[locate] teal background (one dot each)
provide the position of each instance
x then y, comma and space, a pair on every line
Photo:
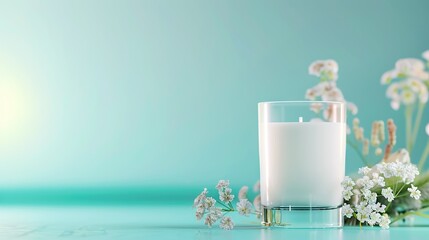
163, 94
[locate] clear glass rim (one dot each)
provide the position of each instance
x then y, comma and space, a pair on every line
289, 102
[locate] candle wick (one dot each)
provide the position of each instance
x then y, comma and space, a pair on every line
300, 119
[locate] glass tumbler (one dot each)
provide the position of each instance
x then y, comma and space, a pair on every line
302, 147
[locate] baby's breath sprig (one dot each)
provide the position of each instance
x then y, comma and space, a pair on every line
367, 196
206, 206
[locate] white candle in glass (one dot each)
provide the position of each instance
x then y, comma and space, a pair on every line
302, 163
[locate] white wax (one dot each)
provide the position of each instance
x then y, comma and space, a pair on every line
302, 163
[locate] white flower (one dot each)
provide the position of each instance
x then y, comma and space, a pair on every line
414, 192
380, 208
378, 180
209, 202
209, 221
222, 184
389, 76
347, 210
394, 104
347, 182
347, 185
242, 194
311, 94
425, 55
408, 96
362, 216
334, 94
326, 69
427, 129
365, 182
388, 194
226, 223
409, 67
200, 211
213, 215
364, 170
200, 198
244, 207
347, 194
315, 68
384, 221
226, 195
419, 88
374, 218
371, 197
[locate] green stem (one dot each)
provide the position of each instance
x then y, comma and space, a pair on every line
417, 213
357, 150
396, 195
221, 203
424, 156
417, 124
408, 118
230, 205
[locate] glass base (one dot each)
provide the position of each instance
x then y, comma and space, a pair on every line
302, 217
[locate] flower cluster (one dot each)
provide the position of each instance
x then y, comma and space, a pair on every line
412, 82
326, 89
365, 197
206, 206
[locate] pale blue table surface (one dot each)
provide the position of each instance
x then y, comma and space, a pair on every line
164, 222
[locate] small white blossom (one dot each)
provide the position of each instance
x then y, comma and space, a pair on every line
408, 97
244, 207
378, 180
394, 104
372, 199
226, 195
326, 69
213, 215
365, 182
226, 223
347, 210
414, 192
389, 76
209, 221
374, 218
388, 194
347, 182
362, 216
378, 207
242, 194
364, 170
222, 184
201, 197
384, 221
347, 194
409, 67
209, 202
200, 211
425, 55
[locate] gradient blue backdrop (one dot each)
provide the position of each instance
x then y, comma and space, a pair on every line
165, 93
